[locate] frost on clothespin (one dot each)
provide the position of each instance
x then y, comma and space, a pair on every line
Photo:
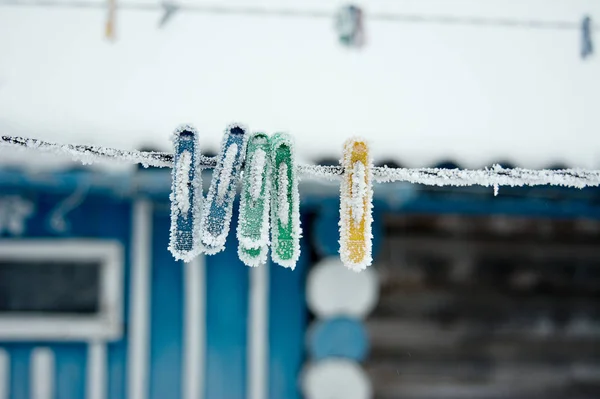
216, 215
186, 195
587, 45
285, 202
253, 222
349, 26
356, 204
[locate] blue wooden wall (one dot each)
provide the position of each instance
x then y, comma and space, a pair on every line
100, 217
227, 289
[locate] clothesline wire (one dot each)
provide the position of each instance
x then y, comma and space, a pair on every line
306, 13
491, 177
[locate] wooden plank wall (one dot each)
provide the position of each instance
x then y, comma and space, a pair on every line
487, 307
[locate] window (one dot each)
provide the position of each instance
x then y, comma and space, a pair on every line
60, 290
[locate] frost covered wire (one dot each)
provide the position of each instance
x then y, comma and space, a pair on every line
306, 13
489, 177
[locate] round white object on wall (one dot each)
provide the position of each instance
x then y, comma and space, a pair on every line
336, 378
334, 290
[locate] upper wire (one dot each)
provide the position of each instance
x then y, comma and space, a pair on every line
307, 13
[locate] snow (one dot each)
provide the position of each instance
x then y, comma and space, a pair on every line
359, 191
253, 261
421, 93
256, 173
226, 173
182, 180
88, 154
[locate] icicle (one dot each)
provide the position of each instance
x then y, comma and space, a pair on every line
253, 223
356, 203
285, 203
216, 216
186, 195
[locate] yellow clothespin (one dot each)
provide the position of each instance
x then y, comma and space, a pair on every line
110, 21
356, 204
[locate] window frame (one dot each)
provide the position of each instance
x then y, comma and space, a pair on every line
106, 324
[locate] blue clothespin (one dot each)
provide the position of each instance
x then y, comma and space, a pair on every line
349, 26
587, 46
186, 195
217, 211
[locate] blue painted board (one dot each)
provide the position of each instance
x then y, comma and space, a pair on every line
288, 316
226, 323
166, 313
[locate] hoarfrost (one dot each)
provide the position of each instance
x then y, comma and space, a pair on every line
256, 173
217, 212
285, 237
182, 186
359, 191
227, 172
253, 222
283, 208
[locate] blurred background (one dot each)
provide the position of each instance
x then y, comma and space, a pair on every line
470, 295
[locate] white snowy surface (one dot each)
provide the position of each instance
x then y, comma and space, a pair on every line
336, 378
226, 173
182, 179
355, 294
420, 93
256, 173
359, 192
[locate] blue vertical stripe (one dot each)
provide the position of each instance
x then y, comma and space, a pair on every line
117, 370
166, 313
19, 369
287, 325
70, 369
226, 323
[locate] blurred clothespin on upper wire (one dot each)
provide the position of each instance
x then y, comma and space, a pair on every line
587, 45
111, 20
169, 9
350, 26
